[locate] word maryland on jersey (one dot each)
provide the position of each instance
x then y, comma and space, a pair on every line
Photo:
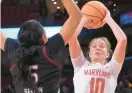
96, 72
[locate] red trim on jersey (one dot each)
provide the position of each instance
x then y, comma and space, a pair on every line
12, 67
45, 54
49, 59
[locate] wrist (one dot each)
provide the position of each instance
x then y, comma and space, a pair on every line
109, 19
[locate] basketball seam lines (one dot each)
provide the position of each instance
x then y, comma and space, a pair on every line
98, 21
93, 16
95, 8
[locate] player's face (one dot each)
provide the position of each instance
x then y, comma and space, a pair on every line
98, 51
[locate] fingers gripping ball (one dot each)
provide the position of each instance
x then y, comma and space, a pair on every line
96, 12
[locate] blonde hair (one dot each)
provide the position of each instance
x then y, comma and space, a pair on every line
106, 42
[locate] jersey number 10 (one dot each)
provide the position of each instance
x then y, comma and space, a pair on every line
97, 84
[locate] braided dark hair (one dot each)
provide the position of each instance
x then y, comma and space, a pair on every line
29, 37
23, 72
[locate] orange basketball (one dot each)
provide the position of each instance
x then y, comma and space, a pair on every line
96, 12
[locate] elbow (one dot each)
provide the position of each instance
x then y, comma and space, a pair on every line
123, 40
78, 19
75, 20
76, 16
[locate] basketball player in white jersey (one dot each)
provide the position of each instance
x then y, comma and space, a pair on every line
97, 75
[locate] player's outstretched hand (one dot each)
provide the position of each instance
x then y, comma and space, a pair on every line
106, 17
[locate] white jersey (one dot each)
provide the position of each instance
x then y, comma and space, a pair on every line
95, 78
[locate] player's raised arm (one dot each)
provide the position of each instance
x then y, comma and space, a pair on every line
3, 39
76, 53
72, 22
74, 46
120, 50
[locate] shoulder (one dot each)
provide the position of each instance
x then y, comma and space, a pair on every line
55, 44
11, 44
11, 41
114, 62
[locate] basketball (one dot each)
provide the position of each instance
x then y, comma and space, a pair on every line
96, 12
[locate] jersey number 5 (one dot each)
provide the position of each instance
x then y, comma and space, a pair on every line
34, 67
96, 85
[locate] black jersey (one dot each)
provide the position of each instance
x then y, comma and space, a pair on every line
45, 66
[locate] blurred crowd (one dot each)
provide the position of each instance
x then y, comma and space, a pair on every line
32, 9
125, 83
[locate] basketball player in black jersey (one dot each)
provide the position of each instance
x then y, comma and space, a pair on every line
32, 59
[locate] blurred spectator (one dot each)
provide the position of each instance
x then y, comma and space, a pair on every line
59, 17
125, 83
